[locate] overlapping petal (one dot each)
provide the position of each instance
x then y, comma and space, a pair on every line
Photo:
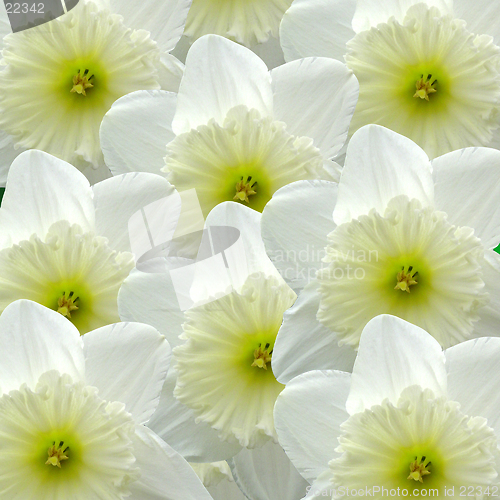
220, 75
375, 154
35, 340
393, 355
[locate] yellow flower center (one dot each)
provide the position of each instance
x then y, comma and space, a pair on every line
57, 454
244, 189
425, 87
66, 304
262, 356
406, 279
81, 82
418, 469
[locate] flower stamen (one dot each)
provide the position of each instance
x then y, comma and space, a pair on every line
425, 87
66, 304
406, 279
244, 189
81, 82
57, 454
262, 356
418, 469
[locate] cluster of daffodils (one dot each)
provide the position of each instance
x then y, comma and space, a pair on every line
250, 250
410, 418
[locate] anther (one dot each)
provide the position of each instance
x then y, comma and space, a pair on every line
406, 279
418, 469
67, 304
56, 455
262, 356
244, 189
81, 82
425, 87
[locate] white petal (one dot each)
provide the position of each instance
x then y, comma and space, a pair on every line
467, 188
135, 131
473, 373
34, 340
295, 225
150, 298
8, 155
128, 362
372, 12
42, 190
394, 354
117, 199
317, 28
481, 16
165, 20
381, 164
266, 473
488, 324
165, 475
316, 98
308, 415
304, 344
248, 254
176, 424
219, 75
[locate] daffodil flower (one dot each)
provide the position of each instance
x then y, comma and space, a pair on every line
248, 23
253, 24
218, 399
427, 70
408, 237
409, 417
235, 131
66, 245
60, 78
72, 412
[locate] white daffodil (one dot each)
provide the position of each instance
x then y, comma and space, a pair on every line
66, 245
428, 70
254, 24
218, 399
236, 131
248, 23
60, 78
409, 420
72, 412
408, 237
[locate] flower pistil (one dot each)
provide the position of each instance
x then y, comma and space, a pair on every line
425, 87
262, 356
57, 454
419, 469
81, 82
